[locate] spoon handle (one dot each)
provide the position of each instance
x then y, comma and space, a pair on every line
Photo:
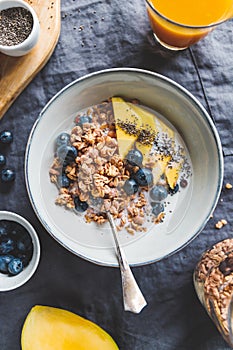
133, 298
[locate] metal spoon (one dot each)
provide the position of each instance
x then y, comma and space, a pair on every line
133, 298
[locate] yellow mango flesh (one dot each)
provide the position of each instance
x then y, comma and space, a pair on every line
48, 328
125, 114
159, 169
172, 173
151, 123
144, 119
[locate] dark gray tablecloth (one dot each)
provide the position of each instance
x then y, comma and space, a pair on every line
117, 34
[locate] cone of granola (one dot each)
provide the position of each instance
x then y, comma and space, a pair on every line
213, 281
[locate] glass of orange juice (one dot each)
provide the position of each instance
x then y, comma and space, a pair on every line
178, 24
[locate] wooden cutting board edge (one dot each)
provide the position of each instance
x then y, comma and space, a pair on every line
8, 96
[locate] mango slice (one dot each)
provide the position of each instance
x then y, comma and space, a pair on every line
160, 167
151, 124
140, 119
49, 328
172, 173
124, 114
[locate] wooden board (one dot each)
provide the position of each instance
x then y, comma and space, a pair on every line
17, 72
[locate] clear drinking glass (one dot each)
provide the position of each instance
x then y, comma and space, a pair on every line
175, 35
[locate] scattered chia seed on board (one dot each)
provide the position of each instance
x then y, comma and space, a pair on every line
15, 25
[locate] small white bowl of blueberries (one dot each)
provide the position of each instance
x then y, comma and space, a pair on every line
19, 251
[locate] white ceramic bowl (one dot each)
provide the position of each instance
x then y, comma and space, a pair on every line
12, 282
182, 110
28, 44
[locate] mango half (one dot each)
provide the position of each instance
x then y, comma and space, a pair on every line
49, 328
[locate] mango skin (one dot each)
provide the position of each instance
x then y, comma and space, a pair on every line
49, 328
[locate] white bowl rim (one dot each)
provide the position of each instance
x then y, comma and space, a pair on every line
181, 89
12, 216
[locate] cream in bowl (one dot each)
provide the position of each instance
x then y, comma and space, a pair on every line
120, 157
19, 250
19, 27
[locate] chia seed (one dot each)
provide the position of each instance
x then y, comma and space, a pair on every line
128, 127
15, 25
162, 144
146, 137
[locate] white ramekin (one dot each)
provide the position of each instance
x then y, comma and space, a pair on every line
28, 44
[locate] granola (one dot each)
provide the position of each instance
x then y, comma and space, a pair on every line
94, 177
213, 280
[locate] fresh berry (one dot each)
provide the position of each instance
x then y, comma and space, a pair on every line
16, 230
134, 157
4, 261
3, 231
157, 208
7, 245
25, 257
83, 120
173, 190
144, 177
63, 181
16, 244
6, 136
2, 159
24, 244
130, 186
67, 154
15, 266
7, 175
80, 205
158, 193
62, 139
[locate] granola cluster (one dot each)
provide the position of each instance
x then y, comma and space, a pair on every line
214, 280
98, 174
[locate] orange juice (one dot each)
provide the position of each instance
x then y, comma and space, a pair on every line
175, 22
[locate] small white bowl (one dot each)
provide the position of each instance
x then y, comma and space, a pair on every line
12, 282
28, 44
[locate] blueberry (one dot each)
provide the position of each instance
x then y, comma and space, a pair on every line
7, 245
25, 257
83, 120
62, 139
63, 181
144, 177
80, 205
158, 193
16, 230
3, 231
24, 244
67, 154
2, 159
4, 261
130, 186
6, 136
7, 175
173, 190
157, 208
134, 157
15, 266
6, 223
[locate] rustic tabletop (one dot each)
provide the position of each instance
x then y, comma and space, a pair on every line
97, 35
